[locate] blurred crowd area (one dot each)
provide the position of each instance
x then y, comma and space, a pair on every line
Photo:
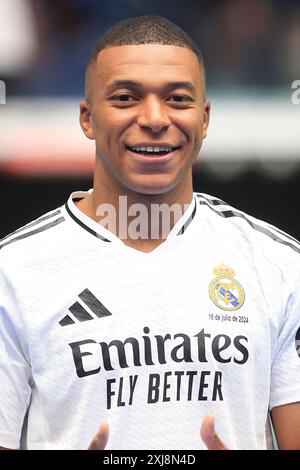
44, 44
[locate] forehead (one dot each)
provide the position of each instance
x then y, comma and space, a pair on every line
148, 62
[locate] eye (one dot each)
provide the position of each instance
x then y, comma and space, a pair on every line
124, 98
180, 98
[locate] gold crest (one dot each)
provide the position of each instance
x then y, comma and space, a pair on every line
225, 291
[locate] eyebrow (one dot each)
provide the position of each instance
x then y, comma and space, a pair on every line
136, 85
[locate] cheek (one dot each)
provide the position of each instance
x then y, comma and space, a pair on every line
109, 126
191, 125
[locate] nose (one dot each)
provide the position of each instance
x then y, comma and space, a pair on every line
153, 115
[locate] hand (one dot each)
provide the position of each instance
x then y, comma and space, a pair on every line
209, 435
100, 440
207, 432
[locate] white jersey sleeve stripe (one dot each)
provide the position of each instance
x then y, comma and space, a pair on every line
49, 215
284, 234
33, 232
233, 213
219, 202
213, 201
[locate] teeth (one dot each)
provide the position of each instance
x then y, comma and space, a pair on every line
152, 149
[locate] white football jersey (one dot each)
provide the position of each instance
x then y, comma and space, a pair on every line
93, 330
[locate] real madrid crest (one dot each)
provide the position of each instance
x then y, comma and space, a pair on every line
225, 291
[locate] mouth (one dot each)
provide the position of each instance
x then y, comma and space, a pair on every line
152, 150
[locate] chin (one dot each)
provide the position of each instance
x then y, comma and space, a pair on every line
154, 187
153, 191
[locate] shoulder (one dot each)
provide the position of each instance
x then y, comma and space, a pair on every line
249, 232
25, 242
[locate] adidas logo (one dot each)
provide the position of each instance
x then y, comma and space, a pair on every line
81, 314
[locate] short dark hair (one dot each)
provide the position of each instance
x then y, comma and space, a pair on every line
148, 29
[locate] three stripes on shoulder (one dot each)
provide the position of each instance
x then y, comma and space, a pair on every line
39, 225
222, 209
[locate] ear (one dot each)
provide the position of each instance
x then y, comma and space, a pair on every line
85, 119
206, 117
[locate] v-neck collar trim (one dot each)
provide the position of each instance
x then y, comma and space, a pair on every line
105, 235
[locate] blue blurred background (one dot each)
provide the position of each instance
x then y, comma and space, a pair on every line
251, 50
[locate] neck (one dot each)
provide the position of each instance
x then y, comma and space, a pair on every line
142, 221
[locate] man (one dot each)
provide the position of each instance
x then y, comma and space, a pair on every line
111, 315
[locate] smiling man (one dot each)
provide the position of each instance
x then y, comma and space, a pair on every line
140, 304
147, 111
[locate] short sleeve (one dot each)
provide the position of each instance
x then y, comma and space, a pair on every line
15, 370
285, 373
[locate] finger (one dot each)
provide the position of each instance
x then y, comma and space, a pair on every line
100, 440
209, 435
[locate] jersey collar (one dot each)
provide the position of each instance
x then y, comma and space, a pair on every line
104, 234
